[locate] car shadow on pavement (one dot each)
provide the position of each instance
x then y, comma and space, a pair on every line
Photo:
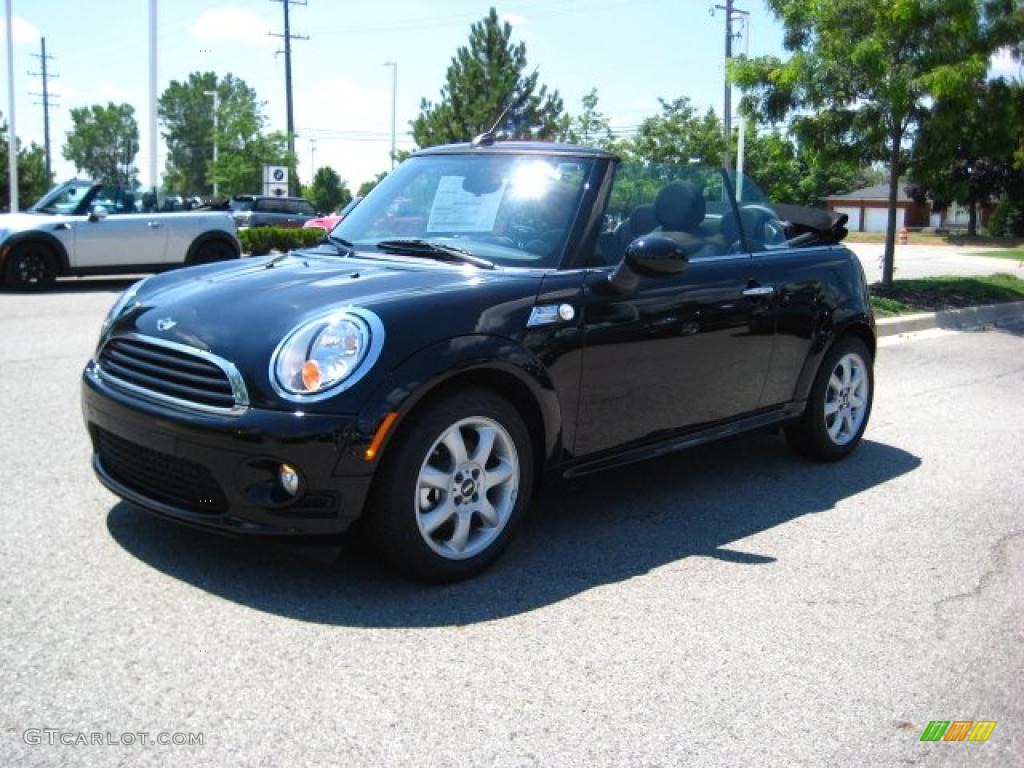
81, 285
584, 533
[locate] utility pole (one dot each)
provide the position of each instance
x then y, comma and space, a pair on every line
288, 37
12, 135
727, 101
45, 96
312, 160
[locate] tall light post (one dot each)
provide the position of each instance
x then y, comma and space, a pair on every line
394, 104
312, 160
12, 136
216, 123
741, 145
153, 180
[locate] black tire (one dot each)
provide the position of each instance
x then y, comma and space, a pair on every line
390, 523
30, 266
211, 251
810, 436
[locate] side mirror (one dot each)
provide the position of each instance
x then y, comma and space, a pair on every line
649, 255
98, 213
657, 255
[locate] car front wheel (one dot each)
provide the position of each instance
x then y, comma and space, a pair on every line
839, 404
212, 251
451, 492
30, 266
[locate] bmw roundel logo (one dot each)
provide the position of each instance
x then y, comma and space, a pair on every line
278, 174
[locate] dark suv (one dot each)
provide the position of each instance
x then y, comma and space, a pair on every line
269, 211
489, 315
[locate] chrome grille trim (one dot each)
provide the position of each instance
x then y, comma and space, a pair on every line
239, 393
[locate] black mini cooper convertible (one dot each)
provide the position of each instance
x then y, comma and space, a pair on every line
490, 314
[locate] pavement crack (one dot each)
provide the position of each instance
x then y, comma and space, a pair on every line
998, 558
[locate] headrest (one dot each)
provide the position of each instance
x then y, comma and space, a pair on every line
680, 207
642, 220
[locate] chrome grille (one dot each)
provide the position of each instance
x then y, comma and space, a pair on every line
173, 373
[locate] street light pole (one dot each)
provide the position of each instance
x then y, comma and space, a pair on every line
12, 136
216, 104
312, 160
153, 180
394, 105
741, 145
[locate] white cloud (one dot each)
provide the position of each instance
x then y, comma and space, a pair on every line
232, 25
1003, 65
24, 31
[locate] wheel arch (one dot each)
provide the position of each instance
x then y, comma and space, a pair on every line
860, 326
19, 238
517, 376
210, 236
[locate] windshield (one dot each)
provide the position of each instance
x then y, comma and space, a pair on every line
62, 198
513, 210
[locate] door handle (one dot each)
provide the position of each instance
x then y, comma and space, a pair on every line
760, 290
153, 224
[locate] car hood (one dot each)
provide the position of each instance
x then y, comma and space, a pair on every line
22, 222
241, 311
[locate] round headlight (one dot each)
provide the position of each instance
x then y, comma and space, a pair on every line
323, 354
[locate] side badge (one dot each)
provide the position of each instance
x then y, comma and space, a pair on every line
165, 323
549, 314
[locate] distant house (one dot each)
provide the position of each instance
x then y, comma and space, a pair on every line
868, 210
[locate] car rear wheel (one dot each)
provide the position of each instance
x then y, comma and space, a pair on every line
30, 266
451, 492
211, 251
839, 405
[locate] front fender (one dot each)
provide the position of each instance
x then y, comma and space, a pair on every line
474, 360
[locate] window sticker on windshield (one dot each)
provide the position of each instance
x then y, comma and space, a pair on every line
456, 210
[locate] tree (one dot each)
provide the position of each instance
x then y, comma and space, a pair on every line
589, 128
867, 69
485, 79
678, 136
103, 142
965, 150
328, 192
366, 186
186, 114
33, 181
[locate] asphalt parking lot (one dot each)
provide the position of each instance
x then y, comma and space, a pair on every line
729, 606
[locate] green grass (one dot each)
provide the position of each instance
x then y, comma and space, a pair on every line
1017, 254
930, 294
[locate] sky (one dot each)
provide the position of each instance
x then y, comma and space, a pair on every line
633, 51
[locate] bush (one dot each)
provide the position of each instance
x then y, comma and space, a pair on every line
259, 240
1007, 220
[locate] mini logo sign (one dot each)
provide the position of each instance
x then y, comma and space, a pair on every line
165, 323
958, 730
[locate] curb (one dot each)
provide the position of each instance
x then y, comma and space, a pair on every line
956, 319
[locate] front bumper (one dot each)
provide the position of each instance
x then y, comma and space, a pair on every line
220, 472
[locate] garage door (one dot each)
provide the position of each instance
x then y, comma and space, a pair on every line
854, 213
875, 219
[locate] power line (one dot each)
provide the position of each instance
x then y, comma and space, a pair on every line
45, 96
288, 37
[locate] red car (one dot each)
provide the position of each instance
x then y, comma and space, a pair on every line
331, 220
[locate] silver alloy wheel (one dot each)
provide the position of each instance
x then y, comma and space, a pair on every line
846, 398
467, 488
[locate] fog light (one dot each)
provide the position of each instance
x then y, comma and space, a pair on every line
288, 476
